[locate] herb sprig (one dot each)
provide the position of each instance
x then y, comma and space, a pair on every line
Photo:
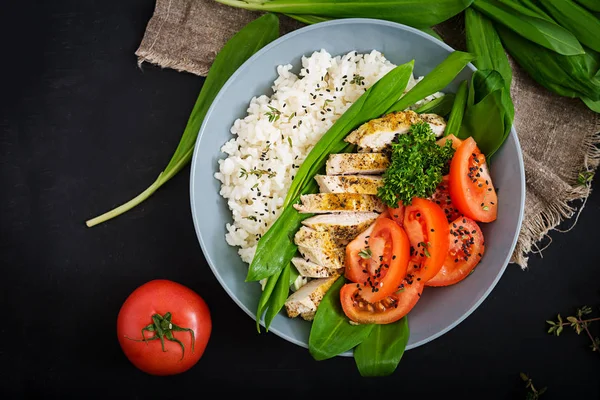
244, 173
579, 325
532, 392
274, 114
417, 166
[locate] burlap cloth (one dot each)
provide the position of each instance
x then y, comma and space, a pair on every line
558, 135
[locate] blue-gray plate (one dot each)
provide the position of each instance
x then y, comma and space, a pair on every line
439, 309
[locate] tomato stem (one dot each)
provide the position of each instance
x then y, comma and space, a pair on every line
163, 328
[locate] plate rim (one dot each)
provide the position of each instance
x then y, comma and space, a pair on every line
278, 42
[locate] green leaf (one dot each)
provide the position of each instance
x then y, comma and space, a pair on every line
436, 80
524, 376
489, 113
279, 296
276, 247
545, 33
380, 353
234, 53
419, 14
577, 20
483, 41
559, 330
265, 296
564, 75
440, 106
294, 274
551, 322
308, 19
432, 32
592, 5
331, 333
572, 319
458, 110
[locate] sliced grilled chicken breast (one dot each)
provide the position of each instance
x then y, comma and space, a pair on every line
437, 123
304, 301
309, 269
356, 163
342, 226
319, 248
361, 184
377, 134
339, 202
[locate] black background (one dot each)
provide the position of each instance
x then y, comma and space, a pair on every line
84, 129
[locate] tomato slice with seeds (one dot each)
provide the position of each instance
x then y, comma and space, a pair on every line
390, 309
378, 259
427, 230
466, 250
441, 197
471, 188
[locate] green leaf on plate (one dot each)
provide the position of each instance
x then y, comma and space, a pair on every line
436, 80
380, 352
265, 296
458, 110
440, 106
331, 333
483, 41
279, 295
488, 114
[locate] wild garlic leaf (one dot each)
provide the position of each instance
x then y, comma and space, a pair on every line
331, 333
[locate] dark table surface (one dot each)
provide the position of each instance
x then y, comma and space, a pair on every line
83, 129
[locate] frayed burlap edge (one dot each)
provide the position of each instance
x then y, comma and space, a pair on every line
561, 208
166, 62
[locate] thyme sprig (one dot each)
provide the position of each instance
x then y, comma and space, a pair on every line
532, 392
578, 324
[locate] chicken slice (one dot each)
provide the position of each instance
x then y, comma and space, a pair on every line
357, 163
436, 122
320, 248
339, 202
309, 269
377, 134
305, 301
343, 226
361, 184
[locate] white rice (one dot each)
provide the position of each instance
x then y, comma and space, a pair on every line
263, 156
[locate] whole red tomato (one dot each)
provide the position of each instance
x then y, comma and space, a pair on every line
163, 327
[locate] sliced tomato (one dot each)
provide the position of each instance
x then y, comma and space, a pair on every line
386, 311
355, 265
441, 197
456, 142
466, 250
427, 230
471, 188
378, 259
397, 214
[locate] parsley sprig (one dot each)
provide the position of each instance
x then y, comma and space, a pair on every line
417, 166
